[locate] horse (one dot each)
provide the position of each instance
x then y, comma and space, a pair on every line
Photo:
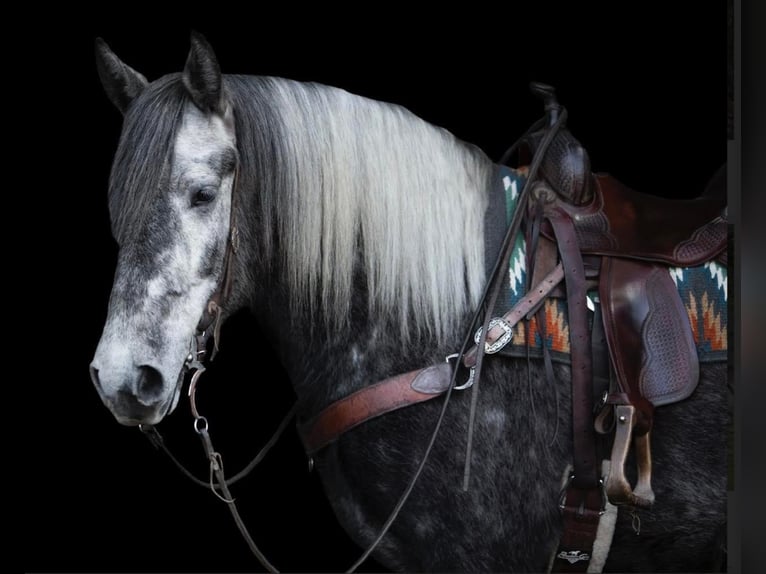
362, 249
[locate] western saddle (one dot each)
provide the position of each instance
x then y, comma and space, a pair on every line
626, 241
595, 235
640, 352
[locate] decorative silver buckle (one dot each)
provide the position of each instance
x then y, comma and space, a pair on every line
501, 341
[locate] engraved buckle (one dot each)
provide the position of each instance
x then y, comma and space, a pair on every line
501, 341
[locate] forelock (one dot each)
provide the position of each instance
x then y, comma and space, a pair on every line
144, 152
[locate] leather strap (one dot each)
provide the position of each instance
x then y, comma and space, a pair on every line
582, 500
580, 529
409, 388
211, 314
524, 307
586, 464
216, 470
371, 402
158, 442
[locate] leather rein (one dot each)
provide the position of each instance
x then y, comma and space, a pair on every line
485, 335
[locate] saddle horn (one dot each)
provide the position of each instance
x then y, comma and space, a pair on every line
566, 165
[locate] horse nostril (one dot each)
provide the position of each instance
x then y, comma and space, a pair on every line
94, 377
149, 388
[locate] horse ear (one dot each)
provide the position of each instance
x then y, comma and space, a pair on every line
121, 82
202, 75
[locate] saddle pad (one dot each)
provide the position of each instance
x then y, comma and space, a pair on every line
703, 292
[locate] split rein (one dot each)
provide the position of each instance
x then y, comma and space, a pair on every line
210, 324
217, 479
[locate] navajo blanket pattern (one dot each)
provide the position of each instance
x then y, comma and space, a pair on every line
703, 291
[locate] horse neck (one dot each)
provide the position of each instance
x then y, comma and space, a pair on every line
403, 222
325, 363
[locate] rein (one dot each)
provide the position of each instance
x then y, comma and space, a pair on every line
470, 355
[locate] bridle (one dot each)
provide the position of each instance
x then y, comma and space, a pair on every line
209, 328
210, 323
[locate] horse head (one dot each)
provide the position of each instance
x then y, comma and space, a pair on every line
170, 193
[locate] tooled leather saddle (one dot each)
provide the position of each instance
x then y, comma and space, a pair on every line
627, 241
602, 237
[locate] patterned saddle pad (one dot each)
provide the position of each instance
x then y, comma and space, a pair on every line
703, 292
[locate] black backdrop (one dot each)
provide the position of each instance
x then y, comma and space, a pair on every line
646, 91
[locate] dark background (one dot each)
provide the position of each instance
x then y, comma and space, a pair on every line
646, 91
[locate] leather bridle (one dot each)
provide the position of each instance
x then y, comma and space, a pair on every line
208, 328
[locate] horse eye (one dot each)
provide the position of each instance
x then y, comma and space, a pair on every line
202, 196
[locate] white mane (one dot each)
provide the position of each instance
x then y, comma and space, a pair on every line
368, 183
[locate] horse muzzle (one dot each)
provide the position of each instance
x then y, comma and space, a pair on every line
139, 396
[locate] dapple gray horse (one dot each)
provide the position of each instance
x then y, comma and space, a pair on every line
361, 252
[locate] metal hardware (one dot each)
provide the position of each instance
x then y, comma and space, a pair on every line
501, 341
469, 383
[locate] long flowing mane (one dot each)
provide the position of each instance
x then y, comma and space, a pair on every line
343, 185
355, 185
